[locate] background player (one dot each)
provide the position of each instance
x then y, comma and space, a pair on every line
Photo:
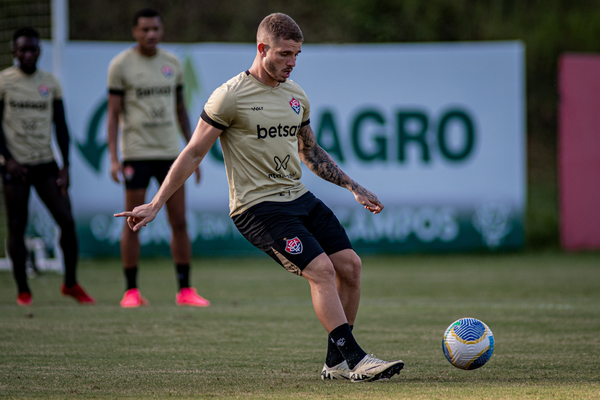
31, 100
263, 121
146, 91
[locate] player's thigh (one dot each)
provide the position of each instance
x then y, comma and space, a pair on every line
137, 174
16, 200
44, 178
327, 229
272, 228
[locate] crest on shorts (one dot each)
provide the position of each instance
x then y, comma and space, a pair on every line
128, 172
295, 104
44, 90
293, 246
167, 71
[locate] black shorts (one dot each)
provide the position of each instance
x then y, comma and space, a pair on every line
35, 173
137, 173
293, 233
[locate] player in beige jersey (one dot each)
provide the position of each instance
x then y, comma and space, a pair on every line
146, 95
263, 120
30, 102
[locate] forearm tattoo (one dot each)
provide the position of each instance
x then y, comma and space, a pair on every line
321, 163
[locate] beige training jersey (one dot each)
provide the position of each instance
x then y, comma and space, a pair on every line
28, 113
259, 141
149, 125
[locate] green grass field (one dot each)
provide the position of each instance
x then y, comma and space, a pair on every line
261, 339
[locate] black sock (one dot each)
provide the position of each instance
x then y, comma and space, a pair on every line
334, 357
131, 277
183, 275
344, 340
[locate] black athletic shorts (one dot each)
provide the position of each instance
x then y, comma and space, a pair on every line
293, 233
35, 173
137, 173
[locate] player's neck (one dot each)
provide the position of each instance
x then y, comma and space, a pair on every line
28, 70
146, 52
259, 73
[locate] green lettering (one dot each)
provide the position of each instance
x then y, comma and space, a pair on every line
469, 132
380, 140
328, 138
417, 137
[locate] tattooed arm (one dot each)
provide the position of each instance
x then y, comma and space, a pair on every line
321, 163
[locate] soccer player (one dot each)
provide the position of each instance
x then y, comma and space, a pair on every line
30, 102
263, 121
145, 86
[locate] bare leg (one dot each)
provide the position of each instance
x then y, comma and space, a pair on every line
326, 301
130, 243
347, 266
181, 249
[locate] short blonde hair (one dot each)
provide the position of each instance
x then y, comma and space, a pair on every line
277, 27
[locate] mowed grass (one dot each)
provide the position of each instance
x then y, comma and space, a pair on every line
261, 339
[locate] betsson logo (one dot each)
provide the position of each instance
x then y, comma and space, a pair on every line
276, 131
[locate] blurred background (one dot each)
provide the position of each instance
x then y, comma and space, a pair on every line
546, 28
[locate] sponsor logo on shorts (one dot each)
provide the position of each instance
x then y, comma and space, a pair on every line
295, 104
293, 246
44, 90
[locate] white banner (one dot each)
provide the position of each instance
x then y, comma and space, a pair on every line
437, 131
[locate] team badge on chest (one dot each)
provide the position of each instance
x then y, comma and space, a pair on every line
167, 71
44, 90
293, 246
295, 104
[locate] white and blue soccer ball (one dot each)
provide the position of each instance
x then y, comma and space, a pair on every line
468, 343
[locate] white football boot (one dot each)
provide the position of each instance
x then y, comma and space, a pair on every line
340, 371
372, 369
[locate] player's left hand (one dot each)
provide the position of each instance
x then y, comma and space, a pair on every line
63, 180
368, 200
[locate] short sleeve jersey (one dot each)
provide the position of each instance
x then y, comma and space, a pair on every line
149, 121
28, 113
259, 140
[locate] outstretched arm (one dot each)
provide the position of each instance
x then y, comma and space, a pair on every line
202, 140
321, 163
184, 122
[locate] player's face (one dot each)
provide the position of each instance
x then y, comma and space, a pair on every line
148, 33
280, 59
27, 51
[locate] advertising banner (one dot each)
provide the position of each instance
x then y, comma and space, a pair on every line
437, 131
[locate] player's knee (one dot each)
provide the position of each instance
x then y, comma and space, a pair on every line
178, 224
320, 270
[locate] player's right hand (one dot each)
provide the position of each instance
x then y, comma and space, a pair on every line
116, 171
140, 216
16, 170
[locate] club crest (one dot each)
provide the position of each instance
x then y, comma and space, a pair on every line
128, 172
167, 71
44, 90
295, 104
293, 246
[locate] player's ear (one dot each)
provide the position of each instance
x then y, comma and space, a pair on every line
262, 49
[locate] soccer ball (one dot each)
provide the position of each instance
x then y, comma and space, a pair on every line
468, 343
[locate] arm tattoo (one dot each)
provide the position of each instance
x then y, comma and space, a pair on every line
321, 163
